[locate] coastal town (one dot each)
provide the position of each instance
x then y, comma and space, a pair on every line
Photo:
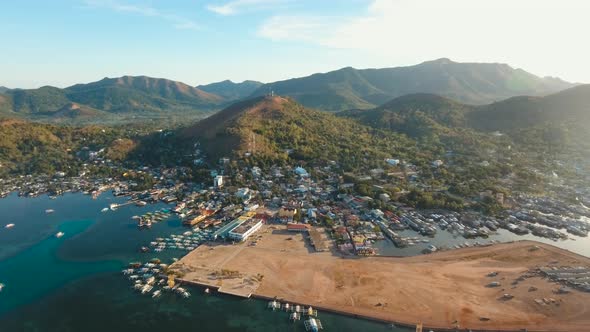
249, 208
304, 199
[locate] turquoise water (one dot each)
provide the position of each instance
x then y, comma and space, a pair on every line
73, 283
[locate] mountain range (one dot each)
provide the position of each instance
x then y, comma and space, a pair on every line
230, 90
563, 116
141, 97
471, 83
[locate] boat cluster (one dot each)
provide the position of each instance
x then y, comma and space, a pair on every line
150, 218
188, 241
148, 279
312, 323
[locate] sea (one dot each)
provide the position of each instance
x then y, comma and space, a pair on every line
74, 283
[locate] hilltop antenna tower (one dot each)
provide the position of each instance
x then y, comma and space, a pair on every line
252, 143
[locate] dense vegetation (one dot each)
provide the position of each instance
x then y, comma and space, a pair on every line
29, 148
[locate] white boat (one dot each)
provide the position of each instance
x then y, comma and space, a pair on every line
146, 289
114, 206
1, 287
186, 294
9, 226
104, 210
49, 211
156, 293
59, 234
207, 291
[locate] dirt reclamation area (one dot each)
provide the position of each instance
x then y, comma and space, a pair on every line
446, 289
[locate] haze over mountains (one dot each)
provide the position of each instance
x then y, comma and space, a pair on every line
141, 97
230, 90
471, 83
562, 118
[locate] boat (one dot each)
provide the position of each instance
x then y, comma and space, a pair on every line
114, 206
59, 234
140, 203
1, 287
313, 324
146, 289
186, 294
156, 293
9, 226
207, 291
104, 210
49, 211
294, 316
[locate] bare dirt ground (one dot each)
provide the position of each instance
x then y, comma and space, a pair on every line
445, 289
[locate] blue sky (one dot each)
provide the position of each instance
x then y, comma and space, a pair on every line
63, 42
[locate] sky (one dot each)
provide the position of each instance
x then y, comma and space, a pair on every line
64, 42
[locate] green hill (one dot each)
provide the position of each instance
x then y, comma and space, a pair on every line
141, 94
111, 98
29, 147
558, 122
472, 83
231, 91
520, 112
278, 128
415, 115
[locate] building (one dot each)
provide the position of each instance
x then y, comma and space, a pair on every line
245, 230
203, 214
384, 197
243, 193
256, 172
500, 198
218, 181
287, 213
295, 227
317, 241
437, 163
392, 162
301, 172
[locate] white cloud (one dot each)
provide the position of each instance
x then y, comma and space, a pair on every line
237, 6
539, 35
178, 22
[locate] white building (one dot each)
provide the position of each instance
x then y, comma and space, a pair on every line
245, 230
218, 181
392, 162
437, 163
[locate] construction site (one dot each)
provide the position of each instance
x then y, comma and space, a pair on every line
486, 288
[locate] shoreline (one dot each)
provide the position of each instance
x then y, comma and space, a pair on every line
410, 293
396, 323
